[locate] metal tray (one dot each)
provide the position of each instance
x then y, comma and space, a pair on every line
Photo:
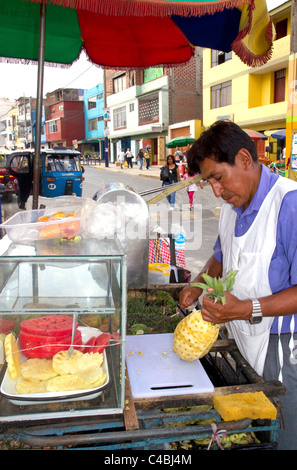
8, 386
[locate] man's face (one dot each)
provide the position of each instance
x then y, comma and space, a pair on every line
231, 183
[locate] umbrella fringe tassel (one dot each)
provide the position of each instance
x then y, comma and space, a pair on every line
149, 8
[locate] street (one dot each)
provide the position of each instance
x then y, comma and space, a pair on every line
200, 224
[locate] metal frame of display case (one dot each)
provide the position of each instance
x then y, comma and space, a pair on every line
111, 398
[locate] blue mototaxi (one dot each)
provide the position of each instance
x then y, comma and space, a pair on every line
61, 172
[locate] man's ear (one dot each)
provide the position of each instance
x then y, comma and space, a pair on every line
244, 159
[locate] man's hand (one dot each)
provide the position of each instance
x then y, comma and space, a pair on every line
189, 295
234, 309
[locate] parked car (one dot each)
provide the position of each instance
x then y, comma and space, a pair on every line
8, 182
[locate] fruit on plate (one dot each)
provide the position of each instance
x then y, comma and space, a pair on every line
101, 342
12, 356
40, 369
6, 325
67, 383
193, 336
44, 336
30, 385
47, 349
97, 343
78, 362
48, 325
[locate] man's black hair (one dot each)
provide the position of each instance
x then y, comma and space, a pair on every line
221, 142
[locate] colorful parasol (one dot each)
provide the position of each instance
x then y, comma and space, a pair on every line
135, 34
181, 141
255, 135
280, 135
128, 34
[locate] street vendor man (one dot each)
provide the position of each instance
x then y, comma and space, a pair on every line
257, 236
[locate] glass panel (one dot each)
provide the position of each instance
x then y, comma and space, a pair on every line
87, 279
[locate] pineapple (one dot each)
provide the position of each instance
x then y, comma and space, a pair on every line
193, 336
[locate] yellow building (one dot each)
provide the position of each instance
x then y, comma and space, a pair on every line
254, 98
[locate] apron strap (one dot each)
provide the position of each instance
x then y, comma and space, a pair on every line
280, 349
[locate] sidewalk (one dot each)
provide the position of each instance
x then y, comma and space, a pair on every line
152, 172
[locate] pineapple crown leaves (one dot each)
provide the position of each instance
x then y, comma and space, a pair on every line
216, 287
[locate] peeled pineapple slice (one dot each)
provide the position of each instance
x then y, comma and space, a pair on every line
67, 383
12, 355
30, 385
38, 368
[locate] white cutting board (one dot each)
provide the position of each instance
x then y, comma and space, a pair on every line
155, 370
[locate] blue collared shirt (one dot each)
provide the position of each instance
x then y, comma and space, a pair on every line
283, 266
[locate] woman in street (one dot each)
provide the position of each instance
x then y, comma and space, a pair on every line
173, 177
257, 237
140, 158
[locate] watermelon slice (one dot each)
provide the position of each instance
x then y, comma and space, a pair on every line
48, 350
101, 342
49, 325
6, 325
89, 346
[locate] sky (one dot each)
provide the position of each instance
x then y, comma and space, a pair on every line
17, 80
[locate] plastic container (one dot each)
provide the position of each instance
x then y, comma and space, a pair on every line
159, 273
130, 224
23, 228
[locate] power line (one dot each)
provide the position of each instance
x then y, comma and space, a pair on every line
77, 77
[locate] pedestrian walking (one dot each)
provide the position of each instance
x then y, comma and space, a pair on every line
121, 157
178, 155
147, 159
173, 177
129, 157
192, 188
140, 157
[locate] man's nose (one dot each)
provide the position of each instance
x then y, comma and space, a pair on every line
217, 188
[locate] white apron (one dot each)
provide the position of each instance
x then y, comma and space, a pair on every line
251, 254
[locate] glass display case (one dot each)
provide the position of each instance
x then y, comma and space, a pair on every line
50, 290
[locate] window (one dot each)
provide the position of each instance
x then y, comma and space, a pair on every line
221, 95
92, 102
149, 109
53, 127
92, 124
279, 85
61, 107
100, 96
281, 29
62, 163
119, 83
53, 109
119, 117
219, 57
131, 107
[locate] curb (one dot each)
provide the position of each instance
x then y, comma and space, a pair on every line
130, 171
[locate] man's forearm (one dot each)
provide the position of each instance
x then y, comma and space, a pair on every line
213, 267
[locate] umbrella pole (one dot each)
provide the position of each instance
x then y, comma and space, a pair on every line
36, 167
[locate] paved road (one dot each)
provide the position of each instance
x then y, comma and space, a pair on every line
200, 225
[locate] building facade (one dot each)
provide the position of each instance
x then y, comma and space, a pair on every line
254, 98
65, 117
144, 103
94, 123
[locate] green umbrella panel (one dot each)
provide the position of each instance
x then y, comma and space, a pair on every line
182, 141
